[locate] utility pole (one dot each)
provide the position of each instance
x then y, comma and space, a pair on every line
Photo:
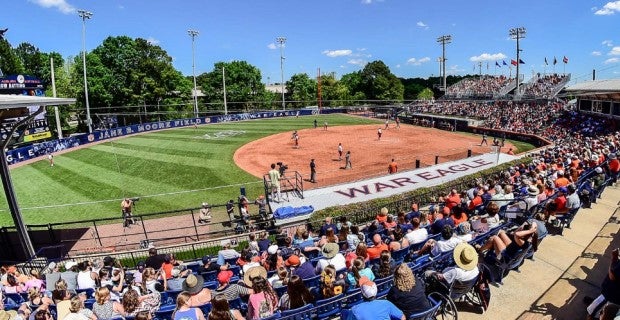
194, 34
517, 34
282, 41
445, 39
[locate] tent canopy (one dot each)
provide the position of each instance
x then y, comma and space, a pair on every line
8, 101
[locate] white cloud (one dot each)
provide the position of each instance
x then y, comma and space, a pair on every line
337, 53
608, 43
615, 51
488, 57
357, 62
596, 53
417, 62
398, 66
422, 25
612, 60
609, 8
62, 5
454, 69
272, 46
152, 41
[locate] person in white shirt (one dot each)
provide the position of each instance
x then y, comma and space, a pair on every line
466, 269
417, 234
332, 257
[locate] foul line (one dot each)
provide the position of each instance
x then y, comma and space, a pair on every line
146, 196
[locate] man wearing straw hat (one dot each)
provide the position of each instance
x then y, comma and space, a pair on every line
194, 285
330, 252
466, 259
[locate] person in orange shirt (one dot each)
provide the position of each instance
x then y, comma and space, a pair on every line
375, 251
614, 165
476, 201
382, 216
561, 181
392, 167
453, 199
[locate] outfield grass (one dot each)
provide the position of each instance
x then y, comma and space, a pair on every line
168, 170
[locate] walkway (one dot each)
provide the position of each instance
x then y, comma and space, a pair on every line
566, 268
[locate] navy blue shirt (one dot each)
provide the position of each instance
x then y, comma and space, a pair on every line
305, 270
438, 225
263, 244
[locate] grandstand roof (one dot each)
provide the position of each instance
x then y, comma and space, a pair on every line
8, 101
601, 89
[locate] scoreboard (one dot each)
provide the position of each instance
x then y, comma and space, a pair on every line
38, 128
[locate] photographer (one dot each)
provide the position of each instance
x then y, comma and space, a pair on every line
126, 206
282, 168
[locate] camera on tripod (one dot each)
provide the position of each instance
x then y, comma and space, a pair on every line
282, 168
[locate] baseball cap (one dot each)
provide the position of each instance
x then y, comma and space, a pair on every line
273, 249
368, 288
563, 189
224, 276
293, 260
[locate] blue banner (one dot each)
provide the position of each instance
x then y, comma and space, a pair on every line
40, 149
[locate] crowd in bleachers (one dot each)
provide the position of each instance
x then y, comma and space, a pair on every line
388, 265
486, 86
545, 86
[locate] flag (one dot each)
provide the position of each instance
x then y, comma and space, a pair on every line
513, 62
546, 63
521, 61
555, 61
487, 66
497, 64
504, 62
565, 60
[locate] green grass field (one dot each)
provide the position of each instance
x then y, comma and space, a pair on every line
169, 170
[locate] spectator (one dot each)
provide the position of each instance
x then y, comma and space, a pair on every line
466, 269
86, 278
154, 260
194, 285
372, 309
220, 310
104, 308
209, 265
280, 278
386, 266
184, 311
417, 234
355, 237
331, 286
440, 221
458, 215
204, 216
70, 275
77, 310
359, 269
326, 225
506, 248
448, 242
331, 257
264, 242
610, 288
407, 293
176, 282
229, 290
303, 270
263, 301
296, 296
378, 246
227, 253
382, 215
272, 259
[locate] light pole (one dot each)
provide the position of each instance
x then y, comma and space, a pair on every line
444, 40
281, 41
517, 34
193, 34
85, 15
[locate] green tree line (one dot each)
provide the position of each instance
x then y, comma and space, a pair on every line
136, 81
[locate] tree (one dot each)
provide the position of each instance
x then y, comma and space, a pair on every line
243, 85
333, 92
425, 94
353, 82
301, 89
379, 83
33, 61
9, 61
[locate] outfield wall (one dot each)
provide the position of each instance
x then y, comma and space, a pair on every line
41, 149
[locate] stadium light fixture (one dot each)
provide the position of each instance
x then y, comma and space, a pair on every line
445, 39
281, 41
85, 15
194, 34
517, 34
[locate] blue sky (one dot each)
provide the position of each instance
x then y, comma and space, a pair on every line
338, 35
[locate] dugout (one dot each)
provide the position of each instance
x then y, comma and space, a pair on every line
599, 97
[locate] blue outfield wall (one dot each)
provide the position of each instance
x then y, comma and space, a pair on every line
40, 149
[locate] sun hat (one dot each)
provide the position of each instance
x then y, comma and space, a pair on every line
293, 260
8, 315
532, 191
70, 264
224, 276
254, 272
193, 283
273, 249
369, 289
330, 250
465, 256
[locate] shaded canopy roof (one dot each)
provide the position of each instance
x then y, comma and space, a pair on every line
9, 101
608, 89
